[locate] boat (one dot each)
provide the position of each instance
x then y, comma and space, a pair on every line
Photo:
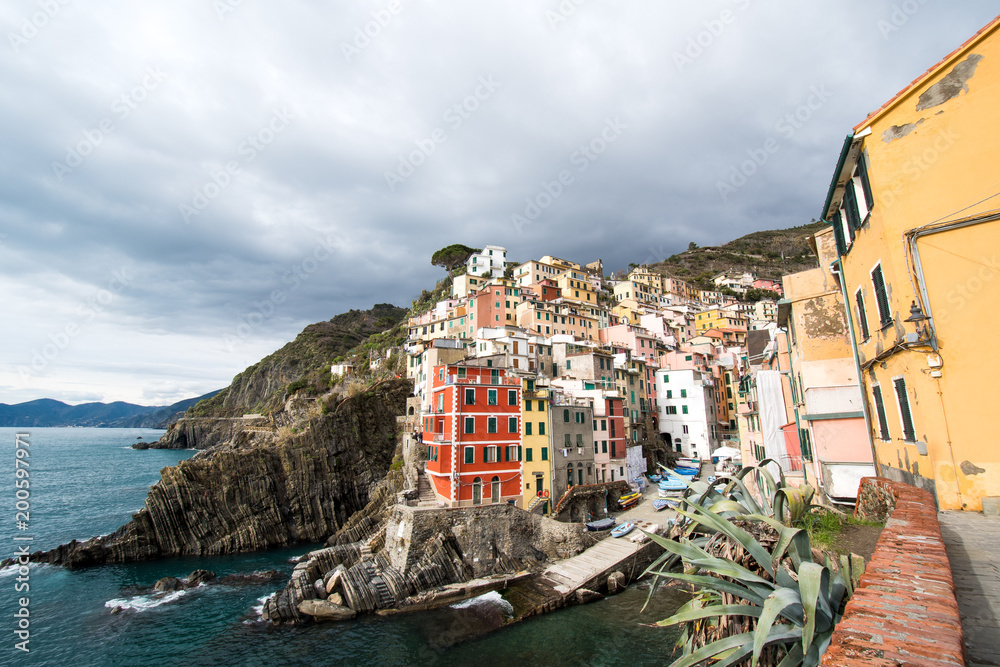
623, 529
660, 504
710, 479
635, 495
654, 478
687, 472
601, 524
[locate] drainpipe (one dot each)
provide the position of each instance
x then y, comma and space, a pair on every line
837, 268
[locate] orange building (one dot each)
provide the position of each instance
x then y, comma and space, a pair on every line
473, 435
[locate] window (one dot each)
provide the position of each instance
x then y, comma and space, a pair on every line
461, 372
512, 425
470, 454
671, 409
862, 315
684, 393
512, 453
470, 396
579, 440
494, 374
491, 454
567, 440
883, 423
568, 363
684, 409
604, 424
670, 394
604, 446
545, 453
596, 446
541, 428
512, 397
541, 406
491, 424
569, 475
904, 410
527, 428
440, 402
527, 406
851, 209
470, 424
566, 416
881, 298
684, 429
527, 454
491, 396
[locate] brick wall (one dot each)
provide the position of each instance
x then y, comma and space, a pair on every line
904, 612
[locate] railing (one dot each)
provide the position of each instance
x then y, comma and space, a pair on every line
439, 437
506, 382
791, 462
540, 393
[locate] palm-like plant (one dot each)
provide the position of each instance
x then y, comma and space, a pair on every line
762, 597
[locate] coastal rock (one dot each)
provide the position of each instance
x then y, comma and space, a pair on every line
168, 584
251, 579
141, 445
199, 577
239, 497
324, 610
333, 578
585, 595
335, 598
616, 582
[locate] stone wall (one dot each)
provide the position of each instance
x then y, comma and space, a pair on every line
904, 611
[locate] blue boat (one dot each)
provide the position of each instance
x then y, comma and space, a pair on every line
601, 524
654, 478
623, 529
660, 504
687, 472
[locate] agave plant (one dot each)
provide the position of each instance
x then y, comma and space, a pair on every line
755, 601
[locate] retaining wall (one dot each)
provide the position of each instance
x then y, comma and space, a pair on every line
904, 612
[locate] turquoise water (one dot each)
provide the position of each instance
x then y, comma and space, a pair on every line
87, 482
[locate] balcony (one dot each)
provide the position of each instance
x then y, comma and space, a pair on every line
505, 382
440, 437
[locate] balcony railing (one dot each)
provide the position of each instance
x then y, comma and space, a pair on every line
506, 382
440, 437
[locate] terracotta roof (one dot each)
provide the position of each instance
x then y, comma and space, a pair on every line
895, 98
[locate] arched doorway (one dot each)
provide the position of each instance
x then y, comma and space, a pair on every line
477, 491
495, 485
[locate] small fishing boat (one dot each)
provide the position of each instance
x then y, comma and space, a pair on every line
660, 504
687, 472
635, 495
601, 524
654, 478
623, 529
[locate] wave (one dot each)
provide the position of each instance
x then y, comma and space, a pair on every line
492, 598
144, 602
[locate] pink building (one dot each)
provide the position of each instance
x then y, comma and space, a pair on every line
638, 340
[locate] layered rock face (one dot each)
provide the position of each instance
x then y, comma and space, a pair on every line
391, 554
260, 490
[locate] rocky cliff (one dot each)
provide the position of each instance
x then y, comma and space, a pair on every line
263, 387
260, 489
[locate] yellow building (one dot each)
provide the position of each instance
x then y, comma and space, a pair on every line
576, 286
914, 207
536, 466
718, 318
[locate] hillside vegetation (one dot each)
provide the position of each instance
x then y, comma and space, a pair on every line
768, 254
304, 363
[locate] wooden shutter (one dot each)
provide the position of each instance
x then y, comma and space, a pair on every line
904, 410
883, 425
862, 315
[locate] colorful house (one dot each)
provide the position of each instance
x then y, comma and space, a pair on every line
914, 209
536, 444
472, 432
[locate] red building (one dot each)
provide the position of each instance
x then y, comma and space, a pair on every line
473, 435
610, 438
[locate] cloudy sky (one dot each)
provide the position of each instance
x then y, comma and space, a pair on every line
185, 185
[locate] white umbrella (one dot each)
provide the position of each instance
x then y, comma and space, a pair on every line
727, 453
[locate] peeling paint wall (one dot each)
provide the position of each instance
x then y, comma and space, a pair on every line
931, 157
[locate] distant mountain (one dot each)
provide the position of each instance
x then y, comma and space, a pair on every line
49, 412
768, 254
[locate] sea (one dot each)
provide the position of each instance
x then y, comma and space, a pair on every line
86, 482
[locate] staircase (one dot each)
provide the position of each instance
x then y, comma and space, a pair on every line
425, 492
537, 502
